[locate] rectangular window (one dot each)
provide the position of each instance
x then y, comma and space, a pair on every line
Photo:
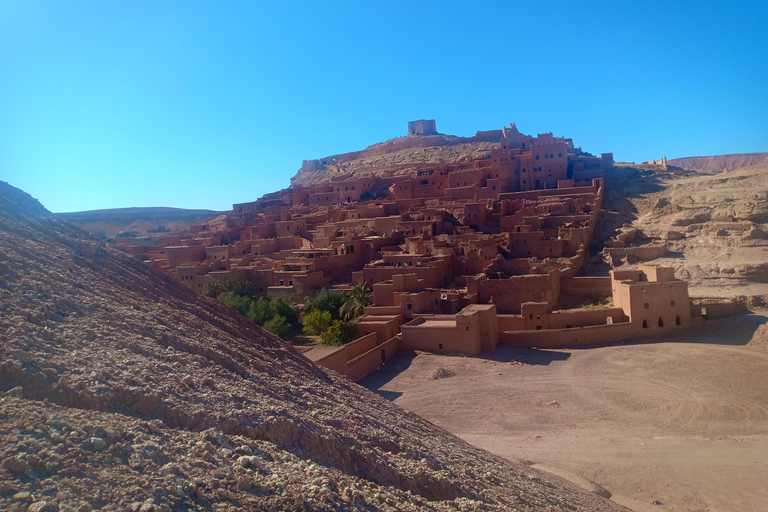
546, 156
672, 303
409, 307
559, 154
537, 157
647, 305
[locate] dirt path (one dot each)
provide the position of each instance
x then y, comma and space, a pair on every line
679, 425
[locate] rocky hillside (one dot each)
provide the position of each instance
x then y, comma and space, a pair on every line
719, 163
122, 390
715, 226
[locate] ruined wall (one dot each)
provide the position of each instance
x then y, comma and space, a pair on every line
583, 286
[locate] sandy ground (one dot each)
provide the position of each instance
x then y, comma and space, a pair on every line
679, 424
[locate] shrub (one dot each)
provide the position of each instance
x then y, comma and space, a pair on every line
317, 322
278, 326
339, 333
236, 302
326, 300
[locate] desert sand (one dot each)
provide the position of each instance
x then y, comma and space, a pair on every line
678, 424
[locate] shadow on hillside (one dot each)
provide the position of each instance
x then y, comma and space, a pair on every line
621, 184
525, 355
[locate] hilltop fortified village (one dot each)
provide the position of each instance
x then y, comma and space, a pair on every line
460, 256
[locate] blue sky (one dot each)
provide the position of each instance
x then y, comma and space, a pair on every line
204, 104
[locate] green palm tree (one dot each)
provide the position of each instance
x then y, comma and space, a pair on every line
214, 288
238, 287
357, 299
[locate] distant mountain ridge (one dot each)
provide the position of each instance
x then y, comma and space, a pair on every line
719, 162
159, 213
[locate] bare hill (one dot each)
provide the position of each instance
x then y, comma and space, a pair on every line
402, 154
719, 162
141, 220
125, 391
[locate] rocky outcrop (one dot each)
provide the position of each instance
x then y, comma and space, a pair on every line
123, 390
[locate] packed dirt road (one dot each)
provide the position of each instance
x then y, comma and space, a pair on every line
679, 424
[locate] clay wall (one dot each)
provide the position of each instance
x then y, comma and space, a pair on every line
175, 256
583, 286
261, 280
474, 214
386, 326
290, 228
429, 186
617, 255
465, 178
653, 306
459, 193
713, 310
323, 199
360, 365
365, 363
441, 334
422, 127
439, 274
263, 231
566, 319
510, 294
553, 338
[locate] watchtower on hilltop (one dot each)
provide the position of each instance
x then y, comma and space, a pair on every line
422, 127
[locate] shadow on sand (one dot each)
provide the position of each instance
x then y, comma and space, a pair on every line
525, 355
385, 373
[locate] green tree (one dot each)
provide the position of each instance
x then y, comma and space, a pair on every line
327, 300
278, 326
236, 302
283, 306
339, 333
317, 322
260, 311
357, 299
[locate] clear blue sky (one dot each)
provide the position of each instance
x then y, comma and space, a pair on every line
107, 104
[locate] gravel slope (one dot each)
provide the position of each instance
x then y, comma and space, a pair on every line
122, 390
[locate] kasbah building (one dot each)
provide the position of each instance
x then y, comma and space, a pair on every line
460, 257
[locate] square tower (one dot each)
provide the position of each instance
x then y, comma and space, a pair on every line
422, 127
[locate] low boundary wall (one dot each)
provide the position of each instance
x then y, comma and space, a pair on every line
360, 357
575, 336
